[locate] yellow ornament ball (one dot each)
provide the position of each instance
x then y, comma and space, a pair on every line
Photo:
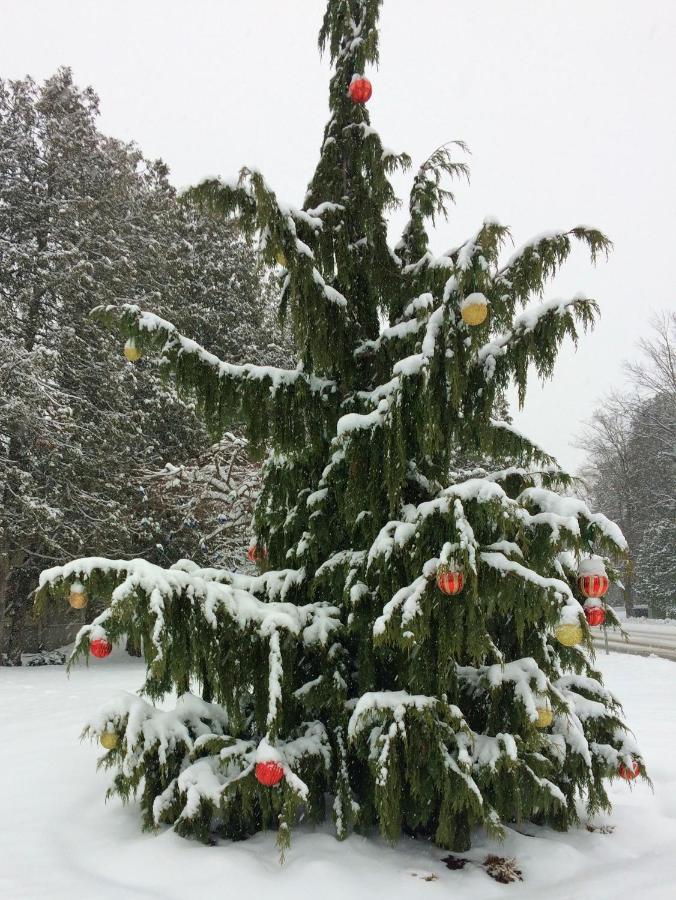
474, 309
77, 599
545, 717
131, 351
109, 740
281, 258
568, 635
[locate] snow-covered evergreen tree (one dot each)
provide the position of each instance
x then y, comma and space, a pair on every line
341, 667
631, 467
86, 220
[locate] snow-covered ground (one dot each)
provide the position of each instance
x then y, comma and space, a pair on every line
59, 840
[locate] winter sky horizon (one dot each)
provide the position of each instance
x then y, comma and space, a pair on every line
566, 106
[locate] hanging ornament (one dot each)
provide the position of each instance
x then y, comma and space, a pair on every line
591, 578
450, 579
595, 615
100, 648
474, 309
77, 597
568, 634
109, 740
131, 351
545, 714
256, 554
360, 89
629, 773
281, 258
269, 773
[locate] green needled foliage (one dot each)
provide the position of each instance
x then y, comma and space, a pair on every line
389, 454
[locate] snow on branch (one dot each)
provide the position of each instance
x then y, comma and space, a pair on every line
227, 392
133, 581
509, 436
394, 703
160, 331
534, 338
565, 512
540, 258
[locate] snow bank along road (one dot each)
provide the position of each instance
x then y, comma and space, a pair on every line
58, 839
645, 637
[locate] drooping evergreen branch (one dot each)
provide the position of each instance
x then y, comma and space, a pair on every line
147, 602
534, 339
530, 267
278, 405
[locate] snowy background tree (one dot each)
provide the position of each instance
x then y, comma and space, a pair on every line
418, 595
86, 220
631, 467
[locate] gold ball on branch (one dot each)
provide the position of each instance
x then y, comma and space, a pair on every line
545, 717
109, 740
474, 309
570, 635
77, 597
131, 351
281, 258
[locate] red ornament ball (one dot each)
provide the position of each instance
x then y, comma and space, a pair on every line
629, 773
450, 581
360, 90
269, 773
593, 585
100, 648
255, 554
595, 615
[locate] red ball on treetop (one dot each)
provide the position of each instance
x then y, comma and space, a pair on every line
360, 90
100, 648
269, 773
595, 615
629, 773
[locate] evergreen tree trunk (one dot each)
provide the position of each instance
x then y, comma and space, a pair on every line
629, 588
4, 578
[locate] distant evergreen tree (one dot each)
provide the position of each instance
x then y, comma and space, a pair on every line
85, 220
631, 467
344, 667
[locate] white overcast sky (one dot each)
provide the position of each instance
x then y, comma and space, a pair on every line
568, 106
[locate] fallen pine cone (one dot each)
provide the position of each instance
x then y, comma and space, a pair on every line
502, 869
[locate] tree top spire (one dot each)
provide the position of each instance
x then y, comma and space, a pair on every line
350, 30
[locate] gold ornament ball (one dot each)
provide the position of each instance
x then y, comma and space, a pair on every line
474, 309
281, 259
131, 351
77, 599
545, 717
568, 635
109, 740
